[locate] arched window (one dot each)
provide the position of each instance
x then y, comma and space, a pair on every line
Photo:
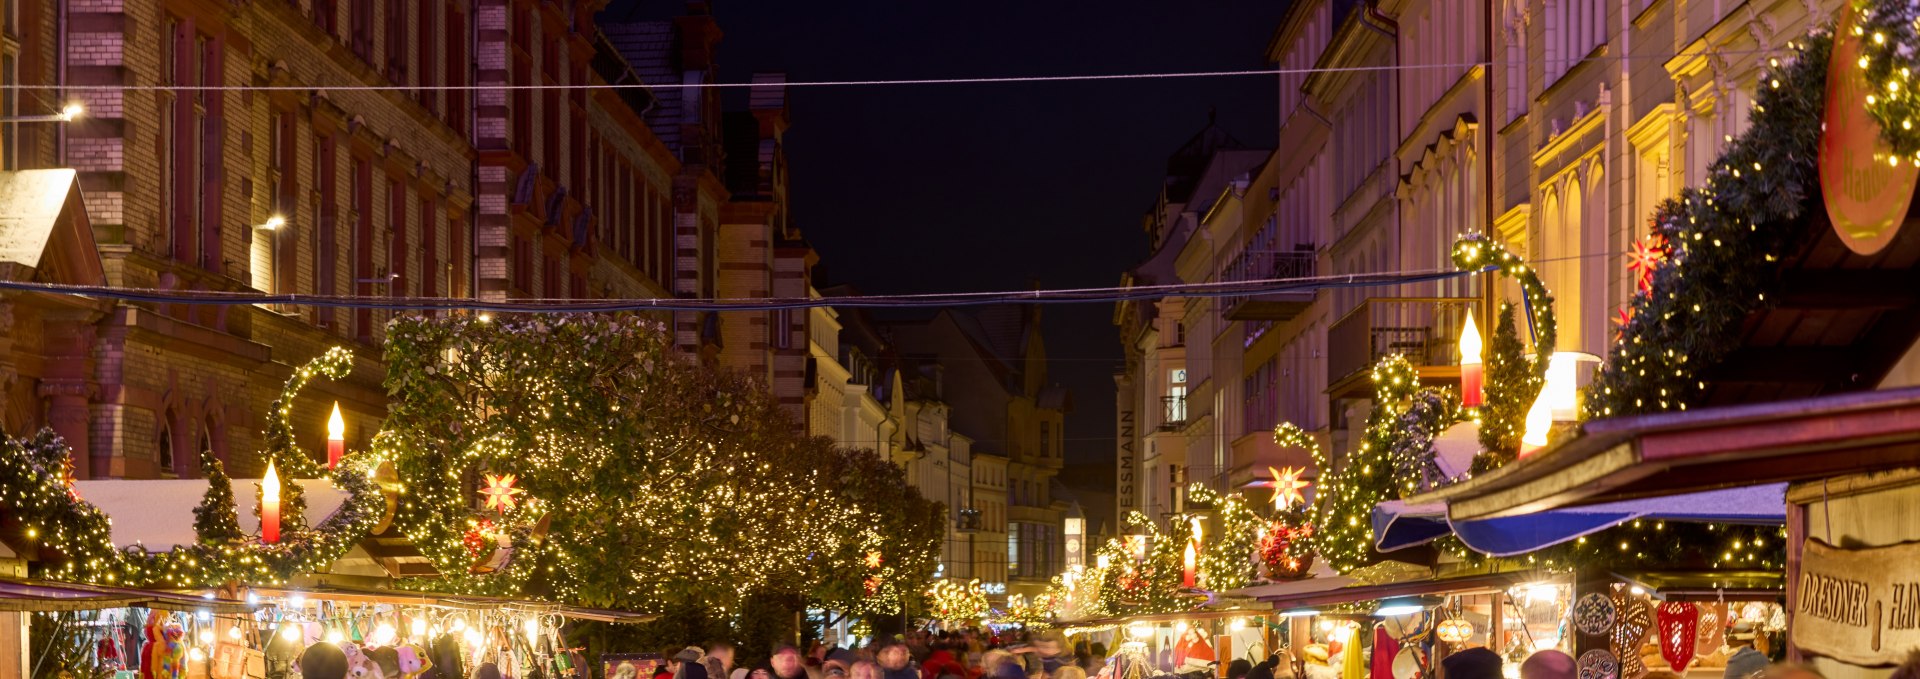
206, 442
163, 461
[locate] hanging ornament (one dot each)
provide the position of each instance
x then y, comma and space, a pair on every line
1621, 320
1598, 664
1679, 633
1645, 257
873, 559
500, 492
1594, 614
1285, 550
1454, 630
1632, 621
1286, 484
1711, 631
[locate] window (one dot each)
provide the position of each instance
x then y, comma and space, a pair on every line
1516, 64
163, 459
427, 41
360, 27
1574, 29
1046, 439
1013, 548
206, 442
456, 66
326, 15
397, 279
429, 249
326, 247
396, 34
362, 271
782, 329
205, 154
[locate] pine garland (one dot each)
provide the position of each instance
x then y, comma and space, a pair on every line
1383, 466
1719, 241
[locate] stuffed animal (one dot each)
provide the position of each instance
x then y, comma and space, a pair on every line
164, 655
359, 666
386, 660
414, 661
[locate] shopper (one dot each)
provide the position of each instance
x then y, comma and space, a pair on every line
1548, 664
1473, 663
896, 661
1746, 660
787, 664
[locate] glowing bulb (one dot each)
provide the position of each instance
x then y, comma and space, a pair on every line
458, 625
334, 636
289, 633
274, 223
1140, 631
1180, 627
206, 636
71, 111
234, 633
196, 655
383, 635
532, 628
473, 637
419, 627
1238, 624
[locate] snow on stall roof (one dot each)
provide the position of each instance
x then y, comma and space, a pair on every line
158, 513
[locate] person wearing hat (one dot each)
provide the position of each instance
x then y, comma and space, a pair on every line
1548, 664
838, 663
1746, 660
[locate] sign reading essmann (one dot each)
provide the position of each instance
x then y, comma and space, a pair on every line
1860, 606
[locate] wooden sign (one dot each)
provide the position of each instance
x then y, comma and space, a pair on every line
1866, 195
1860, 606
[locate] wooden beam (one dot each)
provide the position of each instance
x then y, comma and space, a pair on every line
1848, 290
1795, 365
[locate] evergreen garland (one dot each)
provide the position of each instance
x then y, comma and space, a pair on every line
1719, 239
1512, 383
1380, 468
287, 457
216, 521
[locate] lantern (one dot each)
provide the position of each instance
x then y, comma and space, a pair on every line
1454, 630
1471, 370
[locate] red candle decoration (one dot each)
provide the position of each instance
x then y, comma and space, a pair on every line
336, 437
1191, 561
1471, 370
270, 506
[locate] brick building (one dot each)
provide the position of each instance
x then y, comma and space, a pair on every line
334, 147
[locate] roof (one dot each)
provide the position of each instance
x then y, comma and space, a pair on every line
1469, 584
158, 513
41, 213
1188, 162
1699, 450
1707, 585
42, 595
472, 602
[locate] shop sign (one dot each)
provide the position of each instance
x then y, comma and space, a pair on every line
1860, 606
1866, 196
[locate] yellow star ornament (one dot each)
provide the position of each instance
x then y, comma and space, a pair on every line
500, 492
1287, 485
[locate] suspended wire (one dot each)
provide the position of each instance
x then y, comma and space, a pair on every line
1069, 296
983, 80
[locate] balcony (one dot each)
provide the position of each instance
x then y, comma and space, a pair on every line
1260, 265
1173, 412
1424, 329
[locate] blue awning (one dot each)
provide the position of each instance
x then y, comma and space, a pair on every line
1397, 525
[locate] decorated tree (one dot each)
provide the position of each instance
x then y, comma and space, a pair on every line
1394, 458
1513, 382
216, 521
1226, 555
647, 481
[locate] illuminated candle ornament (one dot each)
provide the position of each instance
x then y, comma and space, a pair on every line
1190, 562
336, 437
270, 505
1561, 389
1472, 372
1539, 420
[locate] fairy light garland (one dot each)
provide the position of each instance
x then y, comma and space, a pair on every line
1890, 32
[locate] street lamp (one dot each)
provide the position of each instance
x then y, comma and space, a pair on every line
66, 114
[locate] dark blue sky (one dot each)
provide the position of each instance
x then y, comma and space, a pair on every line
943, 188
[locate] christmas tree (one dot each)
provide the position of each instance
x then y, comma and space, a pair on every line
1513, 382
215, 520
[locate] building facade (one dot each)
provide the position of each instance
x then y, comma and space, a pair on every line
337, 147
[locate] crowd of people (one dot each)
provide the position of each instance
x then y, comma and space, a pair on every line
1050, 655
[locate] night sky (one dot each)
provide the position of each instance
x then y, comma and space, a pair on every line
949, 188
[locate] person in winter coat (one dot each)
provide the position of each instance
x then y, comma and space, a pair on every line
786, 663
896, 662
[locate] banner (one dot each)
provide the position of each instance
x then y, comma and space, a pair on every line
1860, 606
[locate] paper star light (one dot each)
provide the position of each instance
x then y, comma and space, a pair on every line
1287, 485
873, 559
1645, 258
500, 492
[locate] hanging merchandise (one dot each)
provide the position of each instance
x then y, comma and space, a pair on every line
1598, 664
1679, 633
164, 655
1594, 614
1631, 625
1711, 630
1385, 649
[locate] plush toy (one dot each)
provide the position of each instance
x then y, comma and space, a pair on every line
385, 661
164, 655
414, 661
359, 666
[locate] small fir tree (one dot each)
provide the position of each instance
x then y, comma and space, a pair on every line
1513, 381
216, 520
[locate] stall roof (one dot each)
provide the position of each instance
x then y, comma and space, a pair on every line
43, 595
1706, 585
460, 601
1690, 451
158, 513
1469, 584
1398, 525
